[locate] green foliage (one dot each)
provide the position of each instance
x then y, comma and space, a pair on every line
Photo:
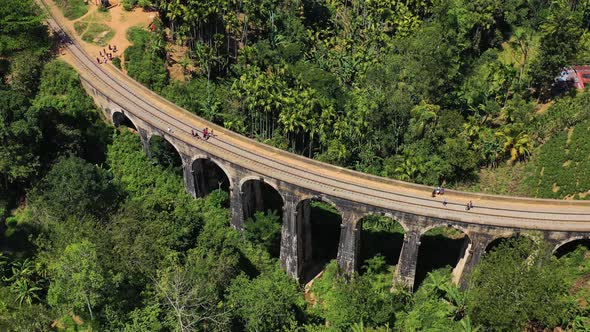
190, 293
562, 165
366, 298
377, 223
200, 97
560, 33
93, 32
77, 280
73, 187
45, 113
73, 9
144, 61
265, 229
438, 305
128, 4
117, 62
67, 116
421, 91
516, 283
21, 27
156, 189
269, 302
566, 113
165, 154
22, 318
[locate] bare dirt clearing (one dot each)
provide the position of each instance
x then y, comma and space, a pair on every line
116, 19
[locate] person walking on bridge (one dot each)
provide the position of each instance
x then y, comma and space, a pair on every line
207, 133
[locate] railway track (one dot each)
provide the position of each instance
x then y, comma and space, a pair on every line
316, 176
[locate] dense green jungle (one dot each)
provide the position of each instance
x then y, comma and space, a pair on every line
97, 236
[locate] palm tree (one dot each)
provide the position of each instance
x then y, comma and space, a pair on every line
410, 168
516, 142
423, 115
25, 291
457, 299
21, 281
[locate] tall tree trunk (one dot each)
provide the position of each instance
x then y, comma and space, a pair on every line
88, 305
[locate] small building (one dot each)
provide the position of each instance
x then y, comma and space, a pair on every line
575, 76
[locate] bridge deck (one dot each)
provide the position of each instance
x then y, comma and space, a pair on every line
494, 210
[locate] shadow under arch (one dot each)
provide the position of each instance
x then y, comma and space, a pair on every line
440, 246
165, 153
318, 229
261, 196
380, 235
571, 245
209, 176
120, 119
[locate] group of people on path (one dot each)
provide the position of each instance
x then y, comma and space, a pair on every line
441, 191
207, 133
438, 191
106, 56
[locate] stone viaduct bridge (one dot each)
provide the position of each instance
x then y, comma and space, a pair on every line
247, 166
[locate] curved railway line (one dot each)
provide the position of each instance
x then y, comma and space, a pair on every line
143, 104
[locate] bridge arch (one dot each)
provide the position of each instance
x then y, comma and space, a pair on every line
428, 228
320, 198
209, 175
119, 118
319, 223
451, 240
566, 246
260, 195
383, 235
164, 151
498, 240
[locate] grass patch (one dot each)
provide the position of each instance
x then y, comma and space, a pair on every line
138, 35
72, 9
502, 180
92, 30
80, 27
98, 33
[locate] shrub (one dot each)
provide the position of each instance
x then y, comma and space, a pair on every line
129, 4
73, 9
117, 62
